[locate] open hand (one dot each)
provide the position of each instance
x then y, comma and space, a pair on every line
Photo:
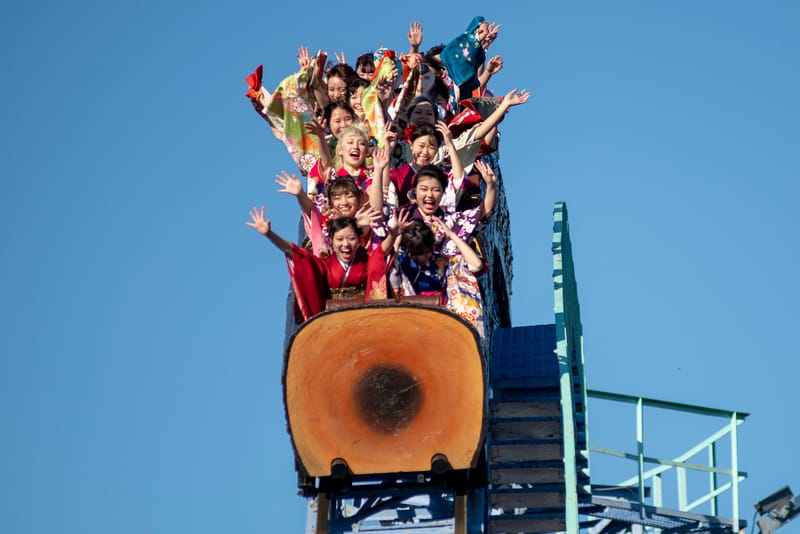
289, 184
415, 35
487, 174
515, 98
302, 57
261, 225
494, 65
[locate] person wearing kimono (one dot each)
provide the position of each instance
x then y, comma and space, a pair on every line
419, 270
350, 272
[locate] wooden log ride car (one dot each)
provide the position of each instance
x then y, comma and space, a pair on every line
388, 388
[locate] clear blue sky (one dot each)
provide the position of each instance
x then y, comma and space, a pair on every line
142, 321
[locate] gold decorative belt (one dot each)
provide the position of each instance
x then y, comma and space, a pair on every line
344, 293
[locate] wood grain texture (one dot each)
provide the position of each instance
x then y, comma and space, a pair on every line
385, 389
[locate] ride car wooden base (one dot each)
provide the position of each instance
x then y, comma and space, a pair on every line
385, 389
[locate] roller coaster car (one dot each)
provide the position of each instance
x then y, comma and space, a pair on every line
384, 389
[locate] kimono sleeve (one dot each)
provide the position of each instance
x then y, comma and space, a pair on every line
376, 275
307, 273
464, 294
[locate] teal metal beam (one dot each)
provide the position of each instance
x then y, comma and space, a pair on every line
656, 403
735, 468
569, 352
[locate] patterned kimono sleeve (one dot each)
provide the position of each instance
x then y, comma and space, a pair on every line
464, 224
373, 108
464, 294
312, 223
290, 108
376, 275
452, 195
377, 234
467, 147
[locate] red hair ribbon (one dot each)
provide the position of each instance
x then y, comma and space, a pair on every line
408, 132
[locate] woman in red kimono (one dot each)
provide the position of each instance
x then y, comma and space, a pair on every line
349, 272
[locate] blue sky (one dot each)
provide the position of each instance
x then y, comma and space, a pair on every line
142, 321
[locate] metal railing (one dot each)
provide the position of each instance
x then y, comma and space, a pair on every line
681, 462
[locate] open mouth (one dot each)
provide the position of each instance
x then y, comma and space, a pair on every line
428, 204
354, 155
346, 253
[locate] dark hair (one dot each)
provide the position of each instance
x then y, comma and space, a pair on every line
440, 89
340, 223
435, 64
343, 71
431, 171
365, 60
421, 99
354, 84
344, 184
328, 111
417, 238
423, 130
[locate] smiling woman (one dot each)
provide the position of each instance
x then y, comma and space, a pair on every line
348, 273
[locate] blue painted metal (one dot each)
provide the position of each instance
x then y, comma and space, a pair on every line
569, 350
680, 464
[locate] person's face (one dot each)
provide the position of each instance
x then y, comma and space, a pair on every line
337, 89
355, 102
423, 112
340, 119
353, 150
345, 244
423, 150
365, 71
345, 203
428, 194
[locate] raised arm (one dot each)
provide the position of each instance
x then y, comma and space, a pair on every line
470, 256
490, 179
456, 167
414, 37
493, 66
264, 227
292, 185
397, 222
491, 34
380, 175
317, 127
513, 98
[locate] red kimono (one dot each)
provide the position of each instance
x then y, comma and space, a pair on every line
313, 277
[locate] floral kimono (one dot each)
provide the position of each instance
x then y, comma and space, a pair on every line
317, 279
448, 275
463, 223
462, 57
288, 109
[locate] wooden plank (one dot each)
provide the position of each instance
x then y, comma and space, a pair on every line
526, 524
526, 430
527, 475
507, 410
529, 499
526, 452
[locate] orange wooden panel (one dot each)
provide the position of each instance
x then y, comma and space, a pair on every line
385, 388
